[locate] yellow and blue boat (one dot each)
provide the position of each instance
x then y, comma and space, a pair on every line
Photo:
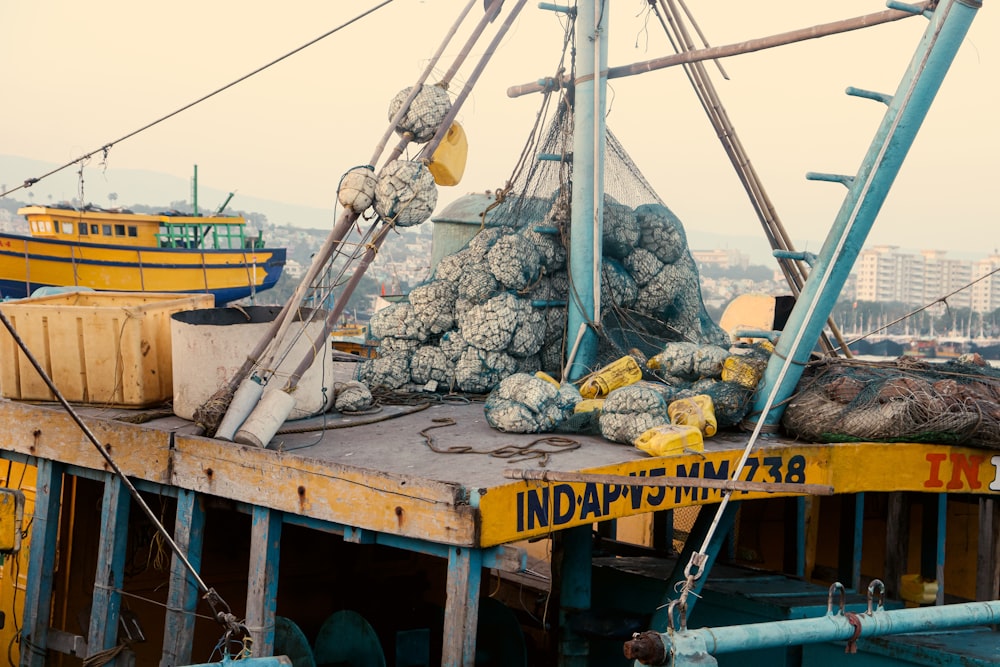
124, 251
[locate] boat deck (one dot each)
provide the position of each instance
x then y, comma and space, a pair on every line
430, 480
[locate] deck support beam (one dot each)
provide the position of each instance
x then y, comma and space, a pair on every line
262, 580
107, 600
574, 554
461, 612
41, 564
182, 597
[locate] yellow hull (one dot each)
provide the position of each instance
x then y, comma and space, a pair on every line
29, 263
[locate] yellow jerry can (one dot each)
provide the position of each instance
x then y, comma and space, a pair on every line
448, 162
670, 439
618, 373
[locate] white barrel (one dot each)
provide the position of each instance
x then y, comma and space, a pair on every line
210, 345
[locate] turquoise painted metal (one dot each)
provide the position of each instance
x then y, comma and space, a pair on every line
948, 26
347, 638
588, 187
696, 647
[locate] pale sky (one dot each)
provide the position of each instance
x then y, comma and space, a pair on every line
79, 75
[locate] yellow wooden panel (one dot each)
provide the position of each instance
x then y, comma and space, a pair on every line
14, 571
48, 432
11, 516
527, 509
368, 499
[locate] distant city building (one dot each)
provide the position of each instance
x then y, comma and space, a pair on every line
885, 274
723, 259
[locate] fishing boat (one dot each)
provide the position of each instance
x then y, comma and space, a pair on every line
118, 250
415, 534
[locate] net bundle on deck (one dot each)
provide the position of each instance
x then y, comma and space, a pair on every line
906, 400
498, 306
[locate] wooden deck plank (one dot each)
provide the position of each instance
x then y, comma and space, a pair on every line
385, 475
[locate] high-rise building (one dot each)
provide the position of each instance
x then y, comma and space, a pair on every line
884, 273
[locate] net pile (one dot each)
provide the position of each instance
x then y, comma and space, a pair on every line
498, 306
906, 400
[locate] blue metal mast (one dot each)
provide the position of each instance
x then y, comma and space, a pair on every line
586, 224
867, 191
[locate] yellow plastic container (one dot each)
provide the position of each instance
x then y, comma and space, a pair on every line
670, 439
448, 162
589, 405
914, 588
105, 348
743, 370
697, 411
618, 373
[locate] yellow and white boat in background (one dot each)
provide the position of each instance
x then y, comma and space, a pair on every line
129, 252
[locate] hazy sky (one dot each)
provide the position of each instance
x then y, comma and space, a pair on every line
78, 75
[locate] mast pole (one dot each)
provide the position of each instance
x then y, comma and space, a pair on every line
586, 223
867, 192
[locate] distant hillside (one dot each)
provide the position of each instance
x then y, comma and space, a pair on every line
134, 186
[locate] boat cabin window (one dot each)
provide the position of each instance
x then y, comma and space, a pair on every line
83, 228
67, 228
133, 231
94, 229
119, 230
106, 230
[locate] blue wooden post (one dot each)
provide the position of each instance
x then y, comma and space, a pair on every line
262, 581
41, 564
107, 600
461, 612
574, 593
183, 595
852, 524
588, 185
934, 528
867, 192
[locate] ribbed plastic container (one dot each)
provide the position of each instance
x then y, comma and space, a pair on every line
103, 348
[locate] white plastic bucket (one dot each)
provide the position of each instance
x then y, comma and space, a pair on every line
210, 345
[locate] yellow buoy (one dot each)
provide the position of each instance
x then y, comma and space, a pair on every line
448, 162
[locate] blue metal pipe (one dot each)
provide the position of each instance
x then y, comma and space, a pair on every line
829, 628
947, 28
588, 186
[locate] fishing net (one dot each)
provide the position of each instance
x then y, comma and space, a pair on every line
523, 403
631, 411
405, 194
425, 114
501, 301
957, 402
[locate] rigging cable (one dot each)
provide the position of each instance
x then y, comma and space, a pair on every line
940, 299
220, 609
106, 147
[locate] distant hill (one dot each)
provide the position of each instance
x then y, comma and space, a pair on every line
135, 186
